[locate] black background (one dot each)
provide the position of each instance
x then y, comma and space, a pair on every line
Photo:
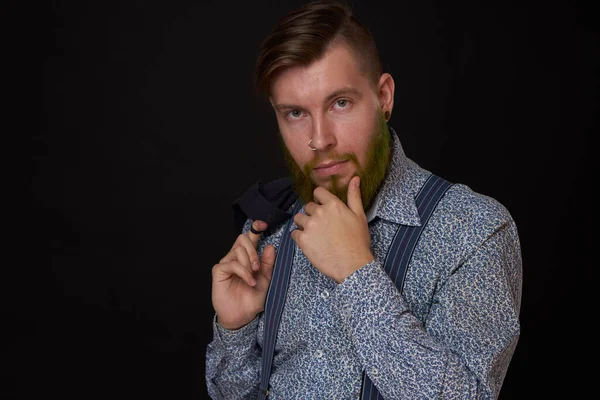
149, 128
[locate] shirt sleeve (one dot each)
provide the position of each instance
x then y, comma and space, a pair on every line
233, 362
463, 347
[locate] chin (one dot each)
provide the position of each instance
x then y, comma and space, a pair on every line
341, 185
326, 182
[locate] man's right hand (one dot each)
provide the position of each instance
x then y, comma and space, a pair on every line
240, 280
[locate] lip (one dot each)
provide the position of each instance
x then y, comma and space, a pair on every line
329, 168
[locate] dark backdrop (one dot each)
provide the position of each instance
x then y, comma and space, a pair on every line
150, 128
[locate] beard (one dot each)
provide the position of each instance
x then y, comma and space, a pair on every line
371, 175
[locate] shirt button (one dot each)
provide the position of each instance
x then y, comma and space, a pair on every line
347, 312
319, 353
324, 294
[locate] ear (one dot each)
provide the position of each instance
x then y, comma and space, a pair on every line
385, 92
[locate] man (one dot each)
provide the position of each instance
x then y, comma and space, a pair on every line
442, 325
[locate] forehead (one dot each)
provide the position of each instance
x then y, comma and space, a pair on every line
337, 69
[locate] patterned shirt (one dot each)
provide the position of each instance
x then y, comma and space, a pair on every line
451, 333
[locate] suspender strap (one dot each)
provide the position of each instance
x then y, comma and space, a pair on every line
402, 248
275, 301
406, 238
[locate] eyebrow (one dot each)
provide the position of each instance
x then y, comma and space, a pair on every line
341, 92
331, 96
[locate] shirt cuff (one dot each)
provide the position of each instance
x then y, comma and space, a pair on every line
243, 338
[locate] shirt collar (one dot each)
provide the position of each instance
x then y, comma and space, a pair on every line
395, 200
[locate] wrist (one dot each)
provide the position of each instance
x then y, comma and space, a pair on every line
357, 263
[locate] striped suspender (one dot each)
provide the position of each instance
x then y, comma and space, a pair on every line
396, 261
401, 250
276, 300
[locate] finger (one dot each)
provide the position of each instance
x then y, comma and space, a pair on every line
310, 208
267, 261
242, 257
301, 220
322, 195
250, 248
243, 241
354, 196
224, 271
256, 229
296, 235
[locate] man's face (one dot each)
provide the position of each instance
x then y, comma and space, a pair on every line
332, 103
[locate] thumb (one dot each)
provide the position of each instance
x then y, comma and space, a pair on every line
354, 196
267, 261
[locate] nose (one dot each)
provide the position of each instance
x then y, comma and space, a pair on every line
323, 135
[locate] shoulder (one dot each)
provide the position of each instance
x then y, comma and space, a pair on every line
464, 219
268, 201
469, 227
461, 209
471, 208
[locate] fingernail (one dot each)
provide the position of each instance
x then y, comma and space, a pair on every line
255, 265
357, 183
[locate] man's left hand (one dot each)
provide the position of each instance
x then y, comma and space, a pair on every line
334, 237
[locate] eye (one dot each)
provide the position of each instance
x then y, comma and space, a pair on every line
341, 103
294, 114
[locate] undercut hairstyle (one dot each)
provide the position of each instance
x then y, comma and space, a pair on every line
304, 35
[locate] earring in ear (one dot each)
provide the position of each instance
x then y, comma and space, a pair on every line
387, 115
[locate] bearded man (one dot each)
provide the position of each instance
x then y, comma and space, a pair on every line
379, 279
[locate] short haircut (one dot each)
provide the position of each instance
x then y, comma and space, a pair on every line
304, 35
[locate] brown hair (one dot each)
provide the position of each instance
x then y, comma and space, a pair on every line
304, 35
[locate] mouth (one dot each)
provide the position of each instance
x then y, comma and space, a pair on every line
329, 168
